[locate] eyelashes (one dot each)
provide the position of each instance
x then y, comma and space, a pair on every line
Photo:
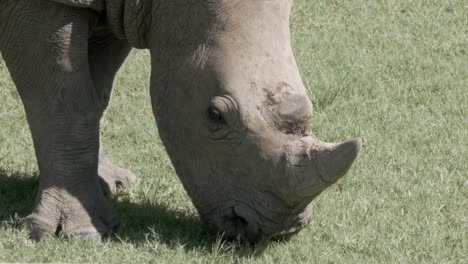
216, 116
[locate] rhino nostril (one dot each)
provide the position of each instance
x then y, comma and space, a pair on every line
58, 230
241, 225
119, 184
235, 226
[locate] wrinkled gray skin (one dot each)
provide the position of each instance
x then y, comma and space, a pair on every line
226, 93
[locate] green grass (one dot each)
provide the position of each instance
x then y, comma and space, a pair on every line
392, 72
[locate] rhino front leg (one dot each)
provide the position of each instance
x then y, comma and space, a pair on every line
106, 55
45, 47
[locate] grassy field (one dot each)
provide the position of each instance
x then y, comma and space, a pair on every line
392, 72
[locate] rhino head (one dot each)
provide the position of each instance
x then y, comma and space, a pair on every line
234, 116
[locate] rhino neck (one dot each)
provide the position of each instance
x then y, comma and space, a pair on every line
130, 19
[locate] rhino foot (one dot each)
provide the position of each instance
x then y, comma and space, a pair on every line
59, 212
113, 177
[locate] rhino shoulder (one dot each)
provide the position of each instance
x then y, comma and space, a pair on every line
97, 5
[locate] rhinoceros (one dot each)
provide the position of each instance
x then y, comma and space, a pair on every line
227, 96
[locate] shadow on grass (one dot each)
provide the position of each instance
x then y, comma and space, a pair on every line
17, 192
141, 223
149, 223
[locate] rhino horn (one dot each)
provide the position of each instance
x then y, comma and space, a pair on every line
335, 160
314, 165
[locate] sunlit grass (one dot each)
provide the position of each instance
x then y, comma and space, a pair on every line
392, 72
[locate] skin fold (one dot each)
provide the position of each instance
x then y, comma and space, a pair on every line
227, 97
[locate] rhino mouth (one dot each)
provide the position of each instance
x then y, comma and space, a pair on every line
237, 223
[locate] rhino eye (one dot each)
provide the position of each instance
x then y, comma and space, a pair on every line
215, 116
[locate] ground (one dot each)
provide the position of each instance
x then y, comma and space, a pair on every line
392, 72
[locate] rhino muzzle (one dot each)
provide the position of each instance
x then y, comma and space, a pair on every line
282, 207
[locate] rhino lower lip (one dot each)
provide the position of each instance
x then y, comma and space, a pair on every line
243, 221
250, 231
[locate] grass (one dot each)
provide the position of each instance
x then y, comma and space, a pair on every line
392, 72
